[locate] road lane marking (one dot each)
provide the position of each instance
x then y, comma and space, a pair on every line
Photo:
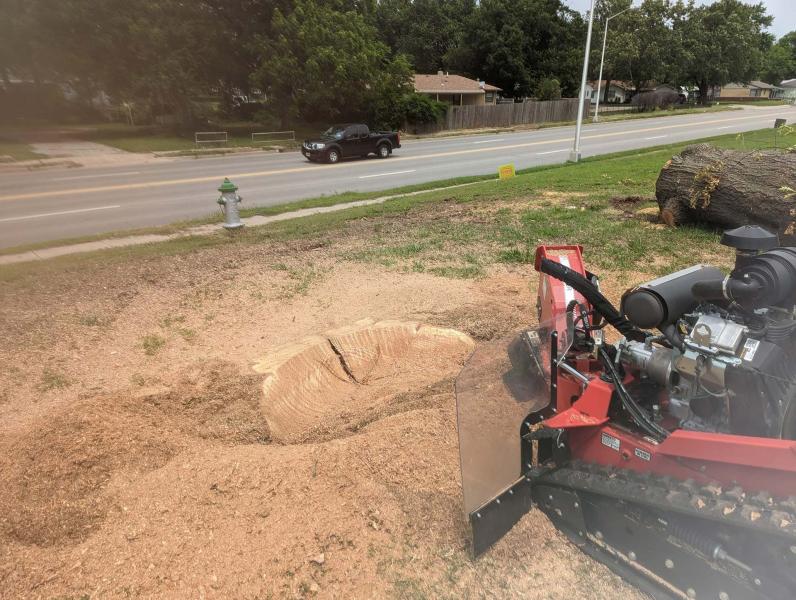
304, 169
95, 176
656, 137
551, 152
488, 141
725, 127
59, 213
386, 174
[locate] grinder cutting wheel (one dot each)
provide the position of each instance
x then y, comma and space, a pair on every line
670, 455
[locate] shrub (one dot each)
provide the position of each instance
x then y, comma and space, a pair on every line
548, 89
422, 110
651, 100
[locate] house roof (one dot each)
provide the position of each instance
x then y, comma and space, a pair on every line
625, 85
788, 83
752, 84
445, 83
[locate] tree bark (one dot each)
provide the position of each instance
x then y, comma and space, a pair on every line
703, 92
605, 91
730, 188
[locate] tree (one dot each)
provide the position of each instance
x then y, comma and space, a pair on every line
780, 60
425, 30
386, 98
156, 54
724, 42
233, 56
613, 66
548, 89
322, 64
643, 48
16, 48
515, 43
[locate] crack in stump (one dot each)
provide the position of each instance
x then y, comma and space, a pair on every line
343, 362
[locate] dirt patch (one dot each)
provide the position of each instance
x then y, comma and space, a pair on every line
629, 204
58, 470
136, 469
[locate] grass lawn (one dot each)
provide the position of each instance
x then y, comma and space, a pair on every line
765, 102
666, 112
17, 150
573, 203
148, 139
604, 118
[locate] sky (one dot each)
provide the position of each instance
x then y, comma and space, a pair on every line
783, 11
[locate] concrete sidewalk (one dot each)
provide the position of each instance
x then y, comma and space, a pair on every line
255, 221
73, 154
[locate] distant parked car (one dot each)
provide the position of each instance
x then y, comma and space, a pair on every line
350, 140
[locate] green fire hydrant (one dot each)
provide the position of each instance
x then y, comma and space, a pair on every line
229, 201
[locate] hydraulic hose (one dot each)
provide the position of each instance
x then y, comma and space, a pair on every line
589, 291
630, 405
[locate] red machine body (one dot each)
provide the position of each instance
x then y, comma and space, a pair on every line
644, 449
752, 462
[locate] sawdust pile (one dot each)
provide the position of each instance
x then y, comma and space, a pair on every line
60, 472
180, 474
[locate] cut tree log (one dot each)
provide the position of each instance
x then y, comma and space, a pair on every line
730, 188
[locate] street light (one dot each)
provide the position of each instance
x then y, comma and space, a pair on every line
602, 60
574, 155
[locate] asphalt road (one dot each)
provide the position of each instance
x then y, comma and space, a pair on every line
64, 203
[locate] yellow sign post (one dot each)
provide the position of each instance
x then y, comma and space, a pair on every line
506, 171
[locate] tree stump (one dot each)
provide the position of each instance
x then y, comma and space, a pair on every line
730, 188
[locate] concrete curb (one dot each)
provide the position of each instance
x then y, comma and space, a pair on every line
38, 164
216, 152
210, 229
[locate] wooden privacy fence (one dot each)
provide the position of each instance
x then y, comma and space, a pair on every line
507, 115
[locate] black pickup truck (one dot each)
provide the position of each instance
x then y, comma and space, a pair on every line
348, 140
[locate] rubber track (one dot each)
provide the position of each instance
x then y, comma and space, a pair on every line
759, 512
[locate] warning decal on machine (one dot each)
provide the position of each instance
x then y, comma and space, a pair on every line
750, 349
642, 454
569, 293
610, 441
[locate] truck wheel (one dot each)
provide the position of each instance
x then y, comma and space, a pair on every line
383, 151
332, 156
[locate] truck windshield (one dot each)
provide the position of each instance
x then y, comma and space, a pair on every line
335, 131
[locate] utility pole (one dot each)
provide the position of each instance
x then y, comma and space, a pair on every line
602, 60
574, 155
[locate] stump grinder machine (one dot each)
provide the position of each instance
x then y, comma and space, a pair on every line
668, 455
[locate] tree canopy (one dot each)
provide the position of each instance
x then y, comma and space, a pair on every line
780, 60
723, 42
330, 59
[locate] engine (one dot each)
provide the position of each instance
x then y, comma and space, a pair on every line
725, 357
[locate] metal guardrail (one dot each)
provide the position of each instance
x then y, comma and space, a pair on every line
264, 137
211, 137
